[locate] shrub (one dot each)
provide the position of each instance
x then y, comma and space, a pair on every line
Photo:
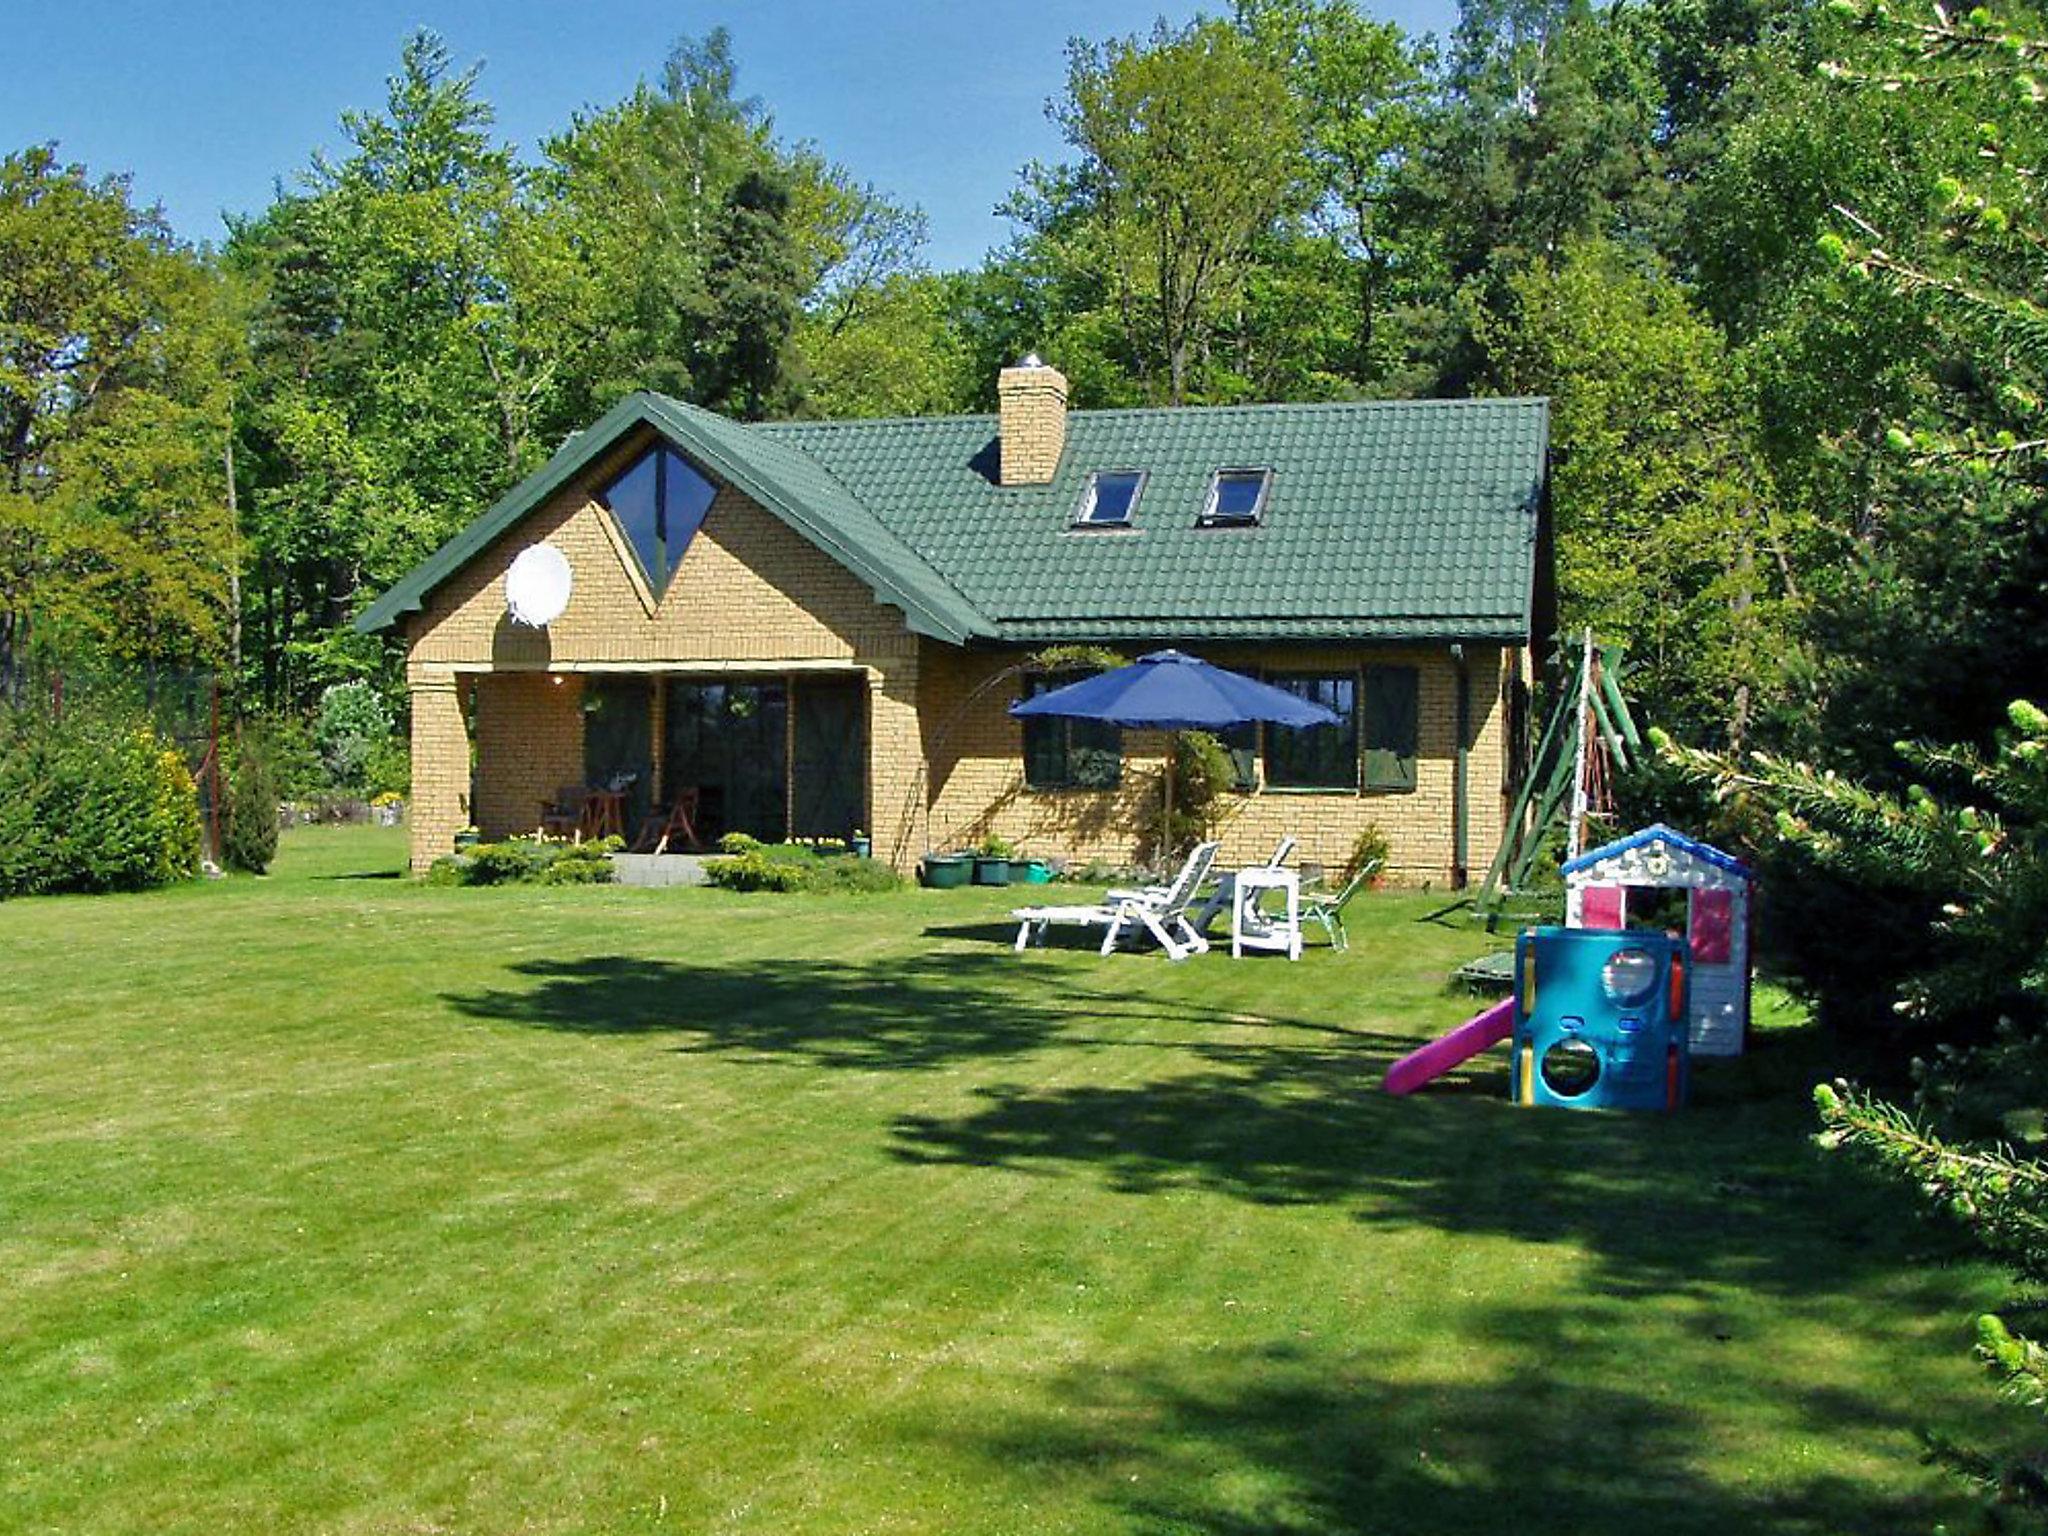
523, 861
1370, 848
351, 726
93, 806
1203, 773
759, 866
248, 834
388, 768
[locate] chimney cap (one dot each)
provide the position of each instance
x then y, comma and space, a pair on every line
1030, 360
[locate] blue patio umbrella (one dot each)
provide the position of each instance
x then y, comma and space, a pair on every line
1172, 691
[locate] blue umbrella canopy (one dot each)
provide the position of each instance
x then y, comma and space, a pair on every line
1172, 691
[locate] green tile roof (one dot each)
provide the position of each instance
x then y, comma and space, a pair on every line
1387, 520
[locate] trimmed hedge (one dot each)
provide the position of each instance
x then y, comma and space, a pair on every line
757, 866
92, 805
524, 861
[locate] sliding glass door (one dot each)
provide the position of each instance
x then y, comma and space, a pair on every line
730, 741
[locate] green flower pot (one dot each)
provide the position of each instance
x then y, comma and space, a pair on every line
991, 871
947, 871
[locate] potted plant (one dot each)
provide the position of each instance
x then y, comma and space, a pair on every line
387, 809
467, 837
947, 871
862, 845
992, 861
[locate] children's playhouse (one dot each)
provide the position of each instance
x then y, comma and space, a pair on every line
1619, 885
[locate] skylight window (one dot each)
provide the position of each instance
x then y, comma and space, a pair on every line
1237, 498
659, 504
1109, 498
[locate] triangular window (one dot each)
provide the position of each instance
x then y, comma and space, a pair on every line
659, 504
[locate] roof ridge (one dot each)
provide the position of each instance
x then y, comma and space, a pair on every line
1241, 408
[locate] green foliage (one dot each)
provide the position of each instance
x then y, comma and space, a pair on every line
1203, 777
1666, 537
2001, 1202
92, 805
1368, 850
249, 826
790, 867
1927, 904
352, 728
527, 861
1191, 147
116, 360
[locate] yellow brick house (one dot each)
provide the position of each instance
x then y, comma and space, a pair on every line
818, 627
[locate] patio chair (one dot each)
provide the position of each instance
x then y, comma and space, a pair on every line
1220, 896
1161, 911
676, 826
563, 815
1328, 909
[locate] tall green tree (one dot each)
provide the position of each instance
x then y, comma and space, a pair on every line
116, 365
1668, 540
1190, 150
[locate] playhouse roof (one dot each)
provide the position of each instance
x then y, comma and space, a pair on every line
1657, 832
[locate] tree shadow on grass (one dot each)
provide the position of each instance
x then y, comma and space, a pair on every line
911, 1013
1730, 1193
1289, 1439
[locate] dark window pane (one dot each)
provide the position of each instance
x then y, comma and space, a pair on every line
1111, 497
1241, 742
633, 502
687, 497
1392, 727
660, 504
1238, 495
1069, 754
1316, 756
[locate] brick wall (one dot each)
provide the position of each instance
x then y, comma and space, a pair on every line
529, 743
978, 783
1032, 432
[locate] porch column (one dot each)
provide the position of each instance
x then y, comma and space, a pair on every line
440, 765
897, 788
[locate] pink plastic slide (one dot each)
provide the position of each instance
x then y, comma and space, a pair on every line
1476, 1034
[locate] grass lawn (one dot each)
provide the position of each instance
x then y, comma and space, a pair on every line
334, 1202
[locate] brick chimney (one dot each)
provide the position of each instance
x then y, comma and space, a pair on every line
1033, 431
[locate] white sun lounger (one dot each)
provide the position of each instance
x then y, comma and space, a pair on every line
1161, 911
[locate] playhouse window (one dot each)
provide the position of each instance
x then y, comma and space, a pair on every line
659, 503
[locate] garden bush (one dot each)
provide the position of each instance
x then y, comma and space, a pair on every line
248, 833
352, 727
92, 805
526, 861
751, 865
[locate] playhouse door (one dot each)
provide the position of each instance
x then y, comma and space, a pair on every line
1712, 927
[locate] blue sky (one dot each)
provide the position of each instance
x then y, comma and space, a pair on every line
208, 101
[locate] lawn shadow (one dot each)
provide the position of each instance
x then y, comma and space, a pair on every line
1729, 1192
912, 1012
1288, 1438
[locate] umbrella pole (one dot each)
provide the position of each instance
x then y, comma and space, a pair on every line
1166, 818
